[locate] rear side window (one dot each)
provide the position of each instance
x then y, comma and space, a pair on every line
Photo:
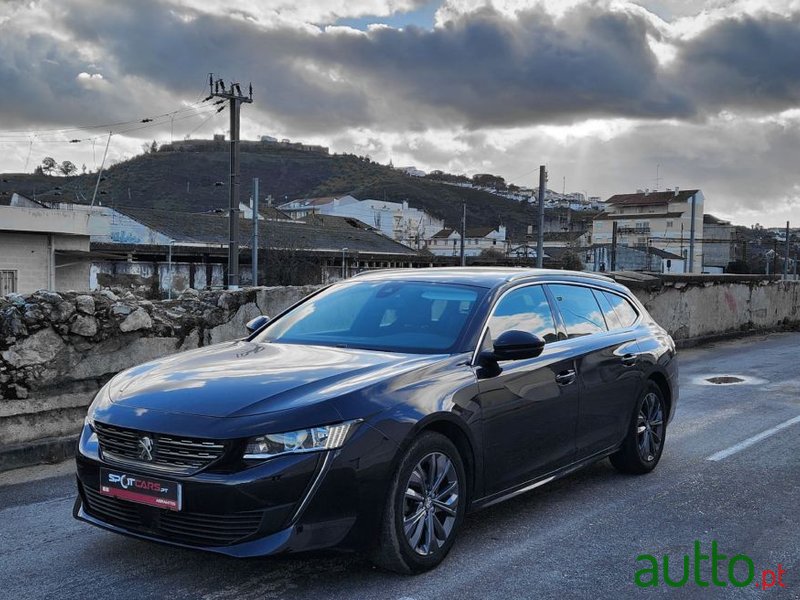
579, 309
612, 321
626, 314
524, 309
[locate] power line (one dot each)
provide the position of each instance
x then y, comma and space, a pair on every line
139, 126
20, 133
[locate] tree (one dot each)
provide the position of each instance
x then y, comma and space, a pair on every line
487, 180
49, 165
571, 262
491, 254
67, 168
150, 148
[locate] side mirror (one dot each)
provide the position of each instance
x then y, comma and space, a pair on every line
254, 325
516, 345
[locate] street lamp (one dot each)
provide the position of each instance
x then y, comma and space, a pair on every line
343, 267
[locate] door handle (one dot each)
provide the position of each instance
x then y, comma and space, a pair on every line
629, 359
566, 377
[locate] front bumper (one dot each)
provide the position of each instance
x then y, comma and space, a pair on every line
287, 504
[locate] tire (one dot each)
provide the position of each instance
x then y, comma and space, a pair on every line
430, 459
644, 443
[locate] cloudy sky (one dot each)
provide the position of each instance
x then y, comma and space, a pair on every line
606, 93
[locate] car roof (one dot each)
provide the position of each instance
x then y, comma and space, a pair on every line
488, 277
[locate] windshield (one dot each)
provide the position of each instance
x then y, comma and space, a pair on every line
402, 316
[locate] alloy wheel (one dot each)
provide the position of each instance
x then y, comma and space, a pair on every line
650, 427
430, 503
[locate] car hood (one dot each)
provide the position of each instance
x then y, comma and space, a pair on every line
244, 378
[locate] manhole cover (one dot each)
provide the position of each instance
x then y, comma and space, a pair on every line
724, 380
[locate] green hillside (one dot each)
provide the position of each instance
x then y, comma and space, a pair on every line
193, 177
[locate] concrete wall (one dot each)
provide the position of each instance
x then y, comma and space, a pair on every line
27, 254
693, 308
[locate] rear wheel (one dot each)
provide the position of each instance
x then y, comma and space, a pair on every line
641, 450
424, 507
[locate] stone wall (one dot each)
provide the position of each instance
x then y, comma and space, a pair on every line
57, 350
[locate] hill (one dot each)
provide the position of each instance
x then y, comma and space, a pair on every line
193, 177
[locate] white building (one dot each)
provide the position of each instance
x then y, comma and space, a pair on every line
42, 248
661, 220
447, 242
395, 220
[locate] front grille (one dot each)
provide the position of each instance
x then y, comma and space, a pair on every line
194, 529
170, 454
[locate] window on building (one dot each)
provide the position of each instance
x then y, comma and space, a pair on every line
8, 282
669, 224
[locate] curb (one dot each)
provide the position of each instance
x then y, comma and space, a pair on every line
49, 450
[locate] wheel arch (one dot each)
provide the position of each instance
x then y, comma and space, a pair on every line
458, 432
661, 381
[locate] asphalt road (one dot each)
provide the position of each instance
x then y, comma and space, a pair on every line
575, 538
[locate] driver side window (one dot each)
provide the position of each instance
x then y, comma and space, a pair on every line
524, 309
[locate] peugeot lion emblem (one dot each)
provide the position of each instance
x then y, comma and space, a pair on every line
146, 449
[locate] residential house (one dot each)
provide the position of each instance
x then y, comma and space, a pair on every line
447, 242
395, 220
660, 220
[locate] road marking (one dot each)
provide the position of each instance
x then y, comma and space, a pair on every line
753, 440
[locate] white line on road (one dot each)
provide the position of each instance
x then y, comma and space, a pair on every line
753, 440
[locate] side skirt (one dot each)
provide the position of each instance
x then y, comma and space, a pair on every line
540, 481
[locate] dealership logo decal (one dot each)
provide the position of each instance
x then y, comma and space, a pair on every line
146, 449
127, 481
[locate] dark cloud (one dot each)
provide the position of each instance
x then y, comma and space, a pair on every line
480, 70
483, 69
749, 63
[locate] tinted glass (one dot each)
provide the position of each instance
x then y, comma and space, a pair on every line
386, 315
524, 309
612, 321
626, 314
581, 313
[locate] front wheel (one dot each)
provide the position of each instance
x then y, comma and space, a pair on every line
641, 450
424, 507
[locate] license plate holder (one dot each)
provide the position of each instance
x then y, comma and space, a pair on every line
141, 489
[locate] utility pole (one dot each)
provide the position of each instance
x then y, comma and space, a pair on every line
775, 256
463, 231
254, 251
692, 235
613, 246
540, 218
235, 99
786, 260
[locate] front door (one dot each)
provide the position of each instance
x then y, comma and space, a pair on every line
529, 407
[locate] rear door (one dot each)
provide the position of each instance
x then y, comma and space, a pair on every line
529, 407
606, 359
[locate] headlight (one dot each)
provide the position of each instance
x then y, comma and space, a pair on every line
328, 437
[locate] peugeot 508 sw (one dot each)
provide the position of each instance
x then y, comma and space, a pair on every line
376, 412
